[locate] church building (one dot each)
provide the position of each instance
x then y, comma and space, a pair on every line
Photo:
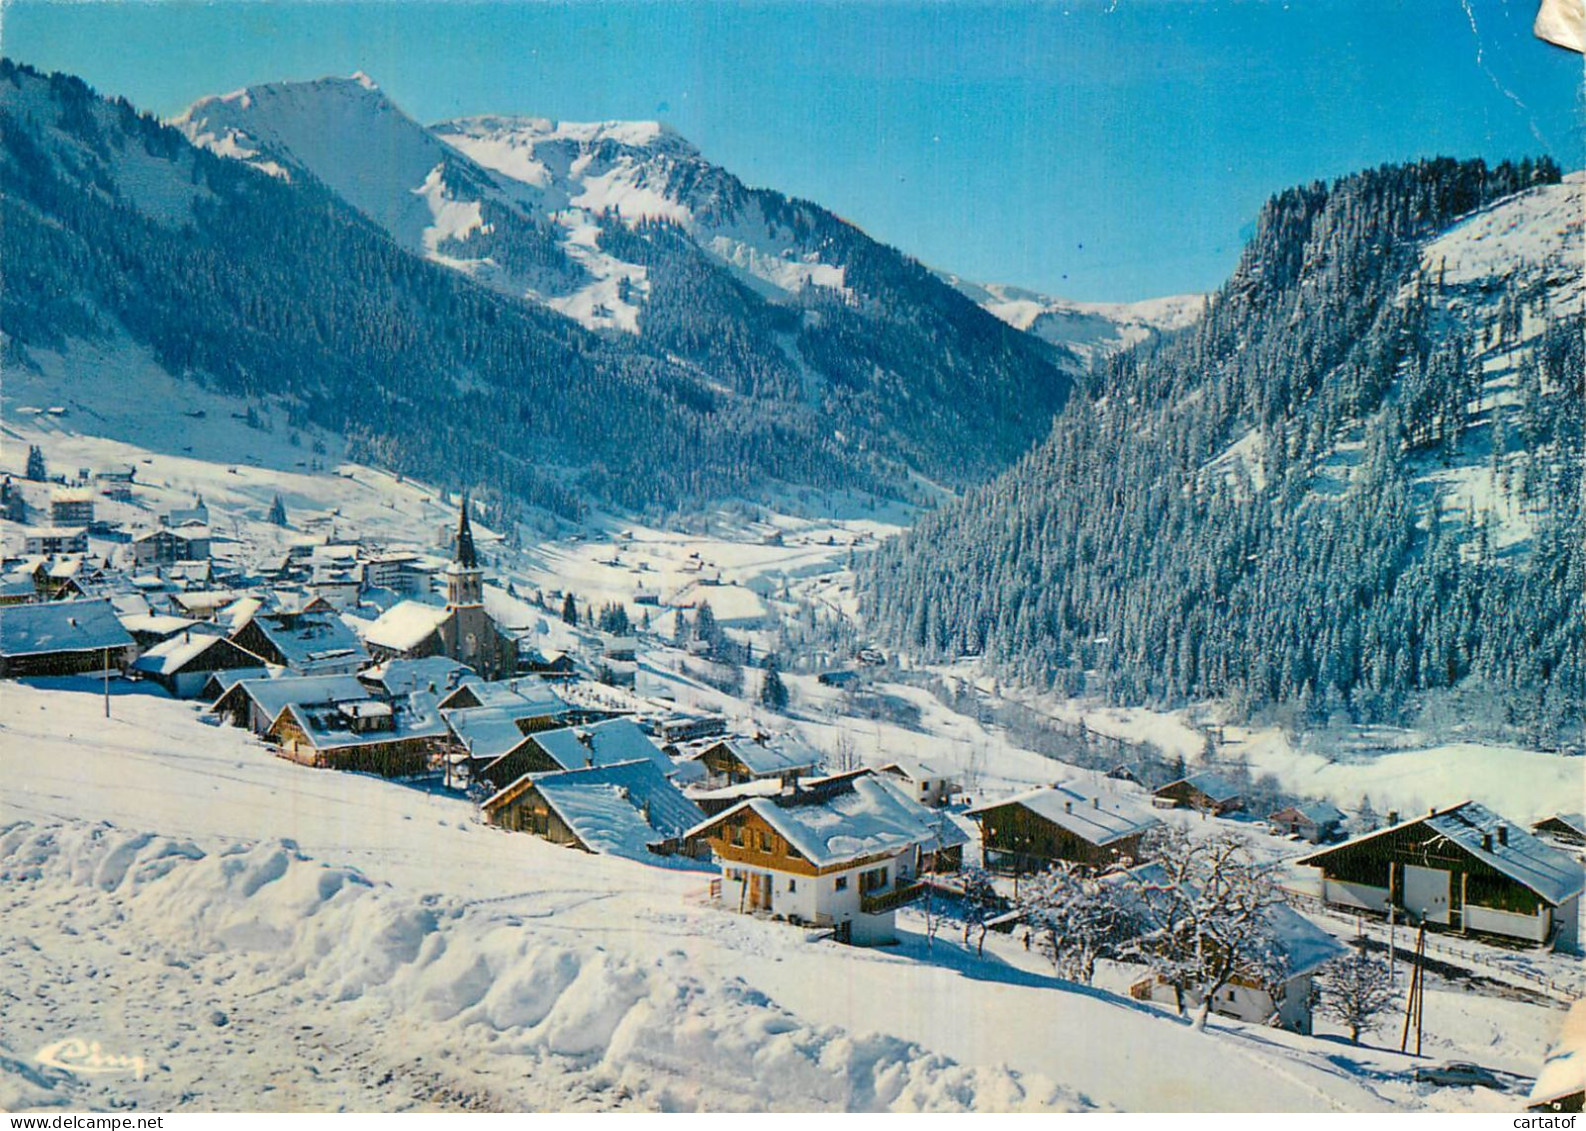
461, 631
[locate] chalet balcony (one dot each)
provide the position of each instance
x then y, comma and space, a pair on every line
890, 899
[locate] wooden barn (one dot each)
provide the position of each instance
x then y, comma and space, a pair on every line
1465, 868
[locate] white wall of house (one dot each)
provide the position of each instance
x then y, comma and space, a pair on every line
826, 900
1567, 919
1365, 896
1534, 928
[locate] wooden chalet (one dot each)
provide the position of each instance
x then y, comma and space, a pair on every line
624, 809
1315, 821
732, 761
257, 703
556, 748
846, 855
1038, 828
1464, 868
304, 643
1566, 828
1206, 792
62, 638
184, 663
397, 739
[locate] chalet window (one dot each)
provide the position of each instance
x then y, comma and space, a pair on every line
841, 884
792, 885
873, 880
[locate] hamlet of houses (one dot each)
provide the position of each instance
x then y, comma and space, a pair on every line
385, 661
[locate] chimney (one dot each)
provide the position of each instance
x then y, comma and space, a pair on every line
1393, 816
1068, 806
1095, 803
1486, 842
1503, 835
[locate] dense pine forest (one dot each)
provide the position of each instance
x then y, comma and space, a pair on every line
1251, 510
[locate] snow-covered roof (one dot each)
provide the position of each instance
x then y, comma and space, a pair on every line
915, 769
1098, 818
60, 626
528, 697
760, 787
312, 641
1527, 860
601, 744
1552, 874
1318, 813
405, 625
487, 732
272, 695
399, 675
204, 598
158, 624
173, 655
618, 809
1217, 788
870, 817
1573, 821
771, 759
327, 724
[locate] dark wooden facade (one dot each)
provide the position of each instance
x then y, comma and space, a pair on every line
1380, 861
397, 757
1020, 839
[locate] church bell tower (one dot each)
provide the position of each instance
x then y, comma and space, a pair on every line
464, 579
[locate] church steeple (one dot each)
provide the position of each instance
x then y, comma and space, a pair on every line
464, 579
465, 557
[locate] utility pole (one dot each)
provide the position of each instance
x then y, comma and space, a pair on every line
1413, 1006
107, 682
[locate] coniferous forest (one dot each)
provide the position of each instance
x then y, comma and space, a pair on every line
1123, 558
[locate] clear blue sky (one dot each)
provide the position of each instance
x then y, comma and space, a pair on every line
1106, 150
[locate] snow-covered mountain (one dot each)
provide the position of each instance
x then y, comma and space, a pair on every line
626, 228
1090, 329
430, 198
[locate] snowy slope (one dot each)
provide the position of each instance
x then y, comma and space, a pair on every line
307, 939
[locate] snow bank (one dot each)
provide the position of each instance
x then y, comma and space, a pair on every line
474, 984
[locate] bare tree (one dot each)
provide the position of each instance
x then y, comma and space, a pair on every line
1200, 914
1074, 916
1357, 992
846, 755
981, 905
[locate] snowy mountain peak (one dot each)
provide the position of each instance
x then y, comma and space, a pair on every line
1090, 329
656, 136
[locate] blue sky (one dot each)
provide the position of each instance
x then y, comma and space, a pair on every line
1109, 150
